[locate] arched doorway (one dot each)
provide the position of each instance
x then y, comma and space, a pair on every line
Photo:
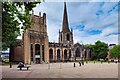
58, 55
65, 54
51, 55
37, 53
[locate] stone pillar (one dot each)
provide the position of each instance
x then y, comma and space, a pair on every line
63, 55
46, 50
34, 53
55, 54
27, 50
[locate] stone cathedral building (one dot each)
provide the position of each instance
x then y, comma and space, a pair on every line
36, 48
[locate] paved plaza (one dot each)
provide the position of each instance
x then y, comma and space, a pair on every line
63, 70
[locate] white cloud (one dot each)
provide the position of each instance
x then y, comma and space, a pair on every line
82, 0
93, 38
84, 13
53, 30
109, 30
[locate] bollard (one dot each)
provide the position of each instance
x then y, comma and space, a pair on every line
49, 66
101, 62
74, 64
108, 62
80, 64
10, 65
60, 66
94, 62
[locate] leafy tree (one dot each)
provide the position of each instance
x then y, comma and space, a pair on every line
88, 45
115, 52
15, 14
100, 50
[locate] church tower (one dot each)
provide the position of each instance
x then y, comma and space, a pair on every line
65, 36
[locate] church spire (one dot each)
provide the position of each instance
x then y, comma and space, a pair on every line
65, 26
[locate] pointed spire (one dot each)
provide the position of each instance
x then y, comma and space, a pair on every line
65, 26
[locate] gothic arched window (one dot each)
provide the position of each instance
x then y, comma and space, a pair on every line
77, 52
50, 54
61, 37
58, 54
68, 37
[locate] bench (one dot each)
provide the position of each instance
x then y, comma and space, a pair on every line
24, 67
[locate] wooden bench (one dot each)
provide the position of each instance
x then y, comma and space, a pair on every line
24, 67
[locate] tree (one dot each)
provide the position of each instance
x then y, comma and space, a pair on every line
89, 45
115, 52
15, 14
100, 50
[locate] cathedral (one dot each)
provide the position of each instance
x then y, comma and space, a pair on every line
36, 48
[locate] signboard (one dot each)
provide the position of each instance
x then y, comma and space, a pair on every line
37, 56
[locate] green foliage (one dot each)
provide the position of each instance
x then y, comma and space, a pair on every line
15, 14
115, 52
88, 45
99, 50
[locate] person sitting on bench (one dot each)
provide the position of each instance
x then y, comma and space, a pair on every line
20, 65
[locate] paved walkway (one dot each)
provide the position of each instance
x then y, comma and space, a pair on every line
63, 70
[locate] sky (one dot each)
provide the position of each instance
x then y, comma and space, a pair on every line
90, 21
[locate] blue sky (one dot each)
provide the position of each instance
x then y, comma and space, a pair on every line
90, 21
